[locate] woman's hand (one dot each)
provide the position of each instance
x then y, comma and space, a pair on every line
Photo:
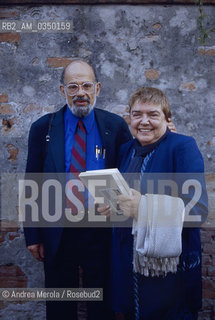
103, 210
129, 205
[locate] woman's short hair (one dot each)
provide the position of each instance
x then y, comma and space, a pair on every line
151, 95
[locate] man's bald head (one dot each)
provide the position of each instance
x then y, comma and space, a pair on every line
77, 64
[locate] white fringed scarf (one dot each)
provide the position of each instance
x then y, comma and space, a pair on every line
157, 235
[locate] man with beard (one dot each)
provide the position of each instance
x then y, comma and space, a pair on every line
100, 134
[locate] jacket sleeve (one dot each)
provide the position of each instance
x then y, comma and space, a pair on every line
34, 168
190, 165
37, 145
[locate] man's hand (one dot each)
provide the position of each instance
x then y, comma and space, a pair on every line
171, 125
37, 250
129, 205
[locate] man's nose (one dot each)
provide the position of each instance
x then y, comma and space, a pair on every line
80, 91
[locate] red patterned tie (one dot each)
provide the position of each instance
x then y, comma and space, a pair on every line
78, 164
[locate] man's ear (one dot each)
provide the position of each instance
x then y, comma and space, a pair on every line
62, 90
98, 88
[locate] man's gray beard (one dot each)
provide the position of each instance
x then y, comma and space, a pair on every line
81, 112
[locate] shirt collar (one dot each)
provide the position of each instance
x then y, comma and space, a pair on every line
73, 120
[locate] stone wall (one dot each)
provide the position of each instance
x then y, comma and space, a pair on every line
130, 46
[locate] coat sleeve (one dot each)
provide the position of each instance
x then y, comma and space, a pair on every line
189, 166
37, 145
34, 168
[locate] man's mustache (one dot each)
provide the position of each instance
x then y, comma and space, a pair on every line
80, 99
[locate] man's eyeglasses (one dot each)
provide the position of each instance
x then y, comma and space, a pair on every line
73, 88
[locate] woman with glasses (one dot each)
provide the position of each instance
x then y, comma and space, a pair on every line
157, 269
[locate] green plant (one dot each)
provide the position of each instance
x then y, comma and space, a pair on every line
204, 33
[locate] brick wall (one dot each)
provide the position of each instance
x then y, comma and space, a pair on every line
208, 250
130, 46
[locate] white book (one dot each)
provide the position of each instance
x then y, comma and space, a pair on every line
112, 176
112, 185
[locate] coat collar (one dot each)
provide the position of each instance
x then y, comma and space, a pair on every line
105, 129
57, 140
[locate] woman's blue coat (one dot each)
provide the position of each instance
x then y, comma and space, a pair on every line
175, 154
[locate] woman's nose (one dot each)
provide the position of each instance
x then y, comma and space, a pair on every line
144, 119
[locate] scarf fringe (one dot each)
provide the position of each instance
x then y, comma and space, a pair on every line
154, 267
153, 255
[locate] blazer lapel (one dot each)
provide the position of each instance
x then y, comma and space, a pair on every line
104, 126
57, 141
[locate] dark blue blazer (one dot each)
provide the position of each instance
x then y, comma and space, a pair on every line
175, 154
50, 158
